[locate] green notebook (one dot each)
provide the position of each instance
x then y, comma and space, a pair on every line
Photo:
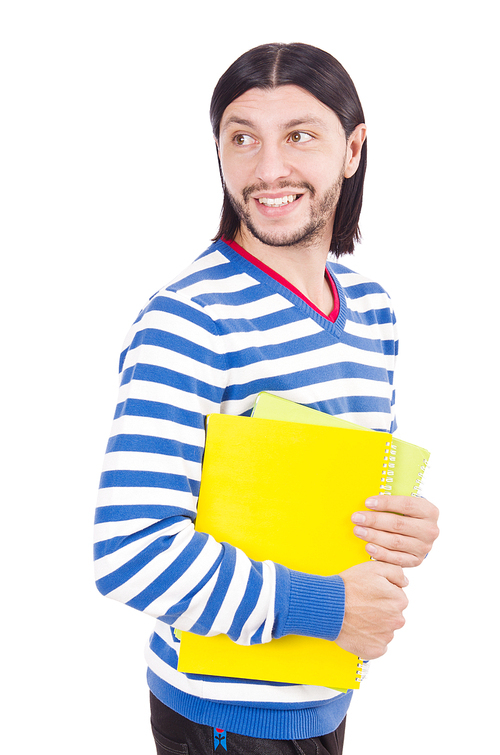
407, 462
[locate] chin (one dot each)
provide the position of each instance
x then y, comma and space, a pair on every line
299, 237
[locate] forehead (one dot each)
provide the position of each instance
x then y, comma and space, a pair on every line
279, 107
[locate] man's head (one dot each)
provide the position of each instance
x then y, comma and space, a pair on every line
288, 80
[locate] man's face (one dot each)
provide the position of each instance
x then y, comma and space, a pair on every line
284, 156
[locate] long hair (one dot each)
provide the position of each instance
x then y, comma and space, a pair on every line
320, 74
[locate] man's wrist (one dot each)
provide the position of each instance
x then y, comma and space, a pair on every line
316, 606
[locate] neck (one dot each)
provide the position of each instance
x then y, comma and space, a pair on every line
302, 266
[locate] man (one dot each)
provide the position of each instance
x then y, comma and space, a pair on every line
261, 309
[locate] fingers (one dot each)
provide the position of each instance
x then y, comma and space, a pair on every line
374, 607
392, 549
411, 506
393, 574
398, 529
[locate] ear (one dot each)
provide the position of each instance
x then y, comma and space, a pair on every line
354, 146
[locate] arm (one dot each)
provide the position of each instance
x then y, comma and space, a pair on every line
147, 552
399, 530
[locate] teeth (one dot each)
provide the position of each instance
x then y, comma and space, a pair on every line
278, 201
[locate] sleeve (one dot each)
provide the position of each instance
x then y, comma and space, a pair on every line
147, 552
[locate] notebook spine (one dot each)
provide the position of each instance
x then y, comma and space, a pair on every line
388, 469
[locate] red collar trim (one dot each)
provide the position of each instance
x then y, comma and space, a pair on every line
277, 277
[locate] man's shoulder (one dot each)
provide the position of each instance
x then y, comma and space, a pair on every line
355, 284
211, 265
214, 277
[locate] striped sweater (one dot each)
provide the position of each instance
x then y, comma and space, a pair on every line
220, 333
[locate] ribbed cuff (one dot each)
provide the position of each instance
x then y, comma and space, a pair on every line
316, 606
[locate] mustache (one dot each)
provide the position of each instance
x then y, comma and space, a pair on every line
254, 188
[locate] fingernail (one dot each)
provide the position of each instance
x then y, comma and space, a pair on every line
371, 549
371, 503
360, 531
358, 518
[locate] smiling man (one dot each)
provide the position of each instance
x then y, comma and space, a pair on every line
295, 166
284, 158
265, 307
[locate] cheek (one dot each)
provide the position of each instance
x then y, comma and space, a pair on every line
234, 173
319, 168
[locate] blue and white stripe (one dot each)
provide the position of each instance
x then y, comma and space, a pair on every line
210, 342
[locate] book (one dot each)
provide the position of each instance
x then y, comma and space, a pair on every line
405, 476
285, 491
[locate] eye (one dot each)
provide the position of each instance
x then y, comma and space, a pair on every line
242, 140
299, 137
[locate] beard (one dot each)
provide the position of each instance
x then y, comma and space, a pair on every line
322, 211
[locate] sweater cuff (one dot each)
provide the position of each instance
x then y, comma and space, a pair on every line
315, 608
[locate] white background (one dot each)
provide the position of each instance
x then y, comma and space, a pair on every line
109, 186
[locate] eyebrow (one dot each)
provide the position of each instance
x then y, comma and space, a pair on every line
306, 120
237, 122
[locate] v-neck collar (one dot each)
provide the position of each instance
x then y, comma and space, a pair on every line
334, 322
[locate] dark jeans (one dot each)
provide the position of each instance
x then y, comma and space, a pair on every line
176, 735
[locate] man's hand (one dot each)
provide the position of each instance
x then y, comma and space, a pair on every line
374, 605
401, 540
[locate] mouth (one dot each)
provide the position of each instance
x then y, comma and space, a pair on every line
278, 201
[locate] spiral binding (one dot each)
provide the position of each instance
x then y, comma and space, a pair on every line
388, 469
362, 668
418, 482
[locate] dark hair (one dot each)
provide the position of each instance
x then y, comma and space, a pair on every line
316, 71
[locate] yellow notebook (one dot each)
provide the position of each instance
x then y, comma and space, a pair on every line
406, 465
285, 492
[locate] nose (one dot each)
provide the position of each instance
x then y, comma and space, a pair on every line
272, 164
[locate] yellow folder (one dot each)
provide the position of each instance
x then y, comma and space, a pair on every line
285, 491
